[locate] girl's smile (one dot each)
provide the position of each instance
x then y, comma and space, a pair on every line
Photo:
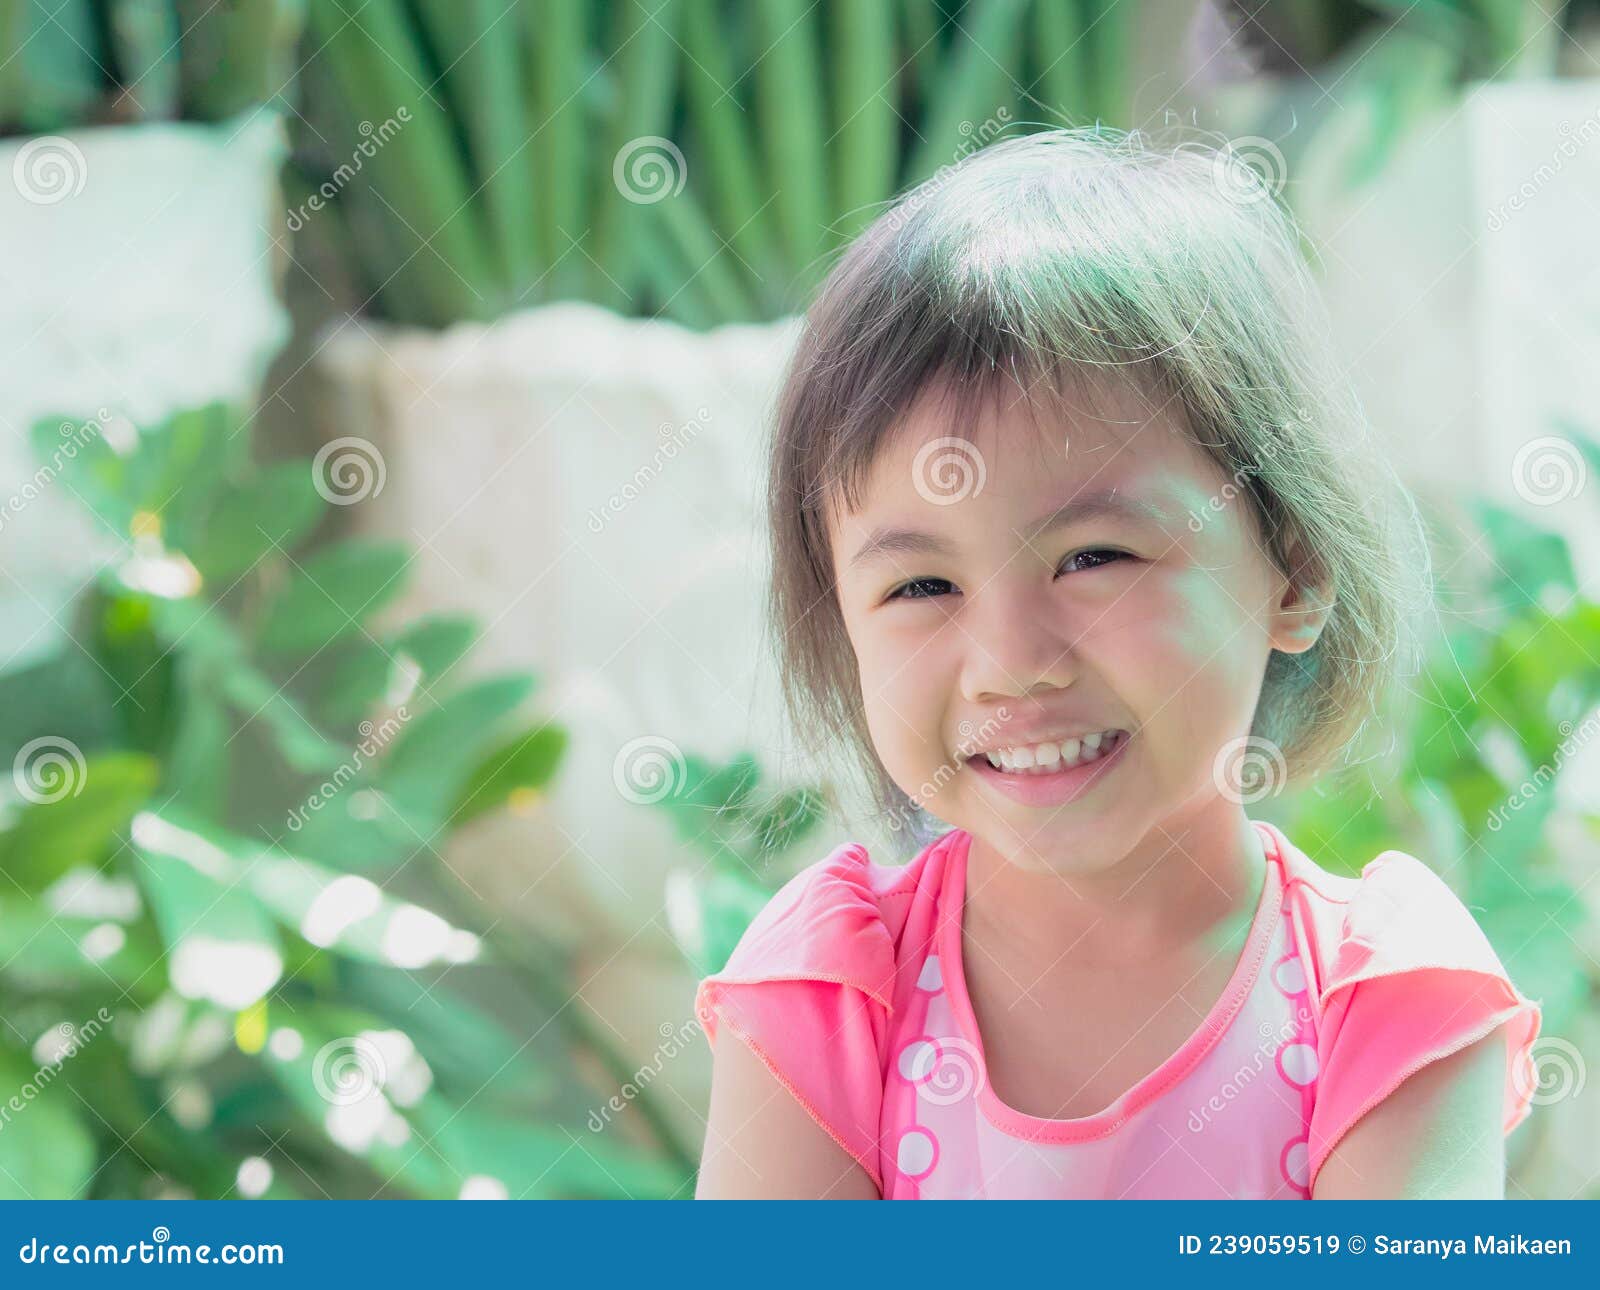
1054, 780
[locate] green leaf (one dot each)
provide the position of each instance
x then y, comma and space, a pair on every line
43, 949
351, 915
522, 765
1529, 561
330, 595
277, 508
90, 802
220, 944
46, 1151
428, 766
392, 670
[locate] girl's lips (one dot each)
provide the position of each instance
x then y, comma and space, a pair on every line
1056, 788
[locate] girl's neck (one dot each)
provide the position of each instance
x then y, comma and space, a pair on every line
1185, 883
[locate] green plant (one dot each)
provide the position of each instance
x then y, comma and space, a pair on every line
746, 836
696, 159
1479, 781
223, 859
71, 63
1395, 63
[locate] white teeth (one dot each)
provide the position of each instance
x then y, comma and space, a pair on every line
1044, 758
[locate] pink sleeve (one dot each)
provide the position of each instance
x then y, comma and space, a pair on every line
808, 988
1413, 980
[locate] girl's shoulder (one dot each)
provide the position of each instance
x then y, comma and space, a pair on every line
1399, 975
845, 918
1396, 915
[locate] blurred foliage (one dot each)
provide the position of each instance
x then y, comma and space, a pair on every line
694, 159
746, 836
66, 64
226, 927
1395, 64
1477, 783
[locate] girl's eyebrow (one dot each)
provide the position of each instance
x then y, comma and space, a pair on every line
1105, 502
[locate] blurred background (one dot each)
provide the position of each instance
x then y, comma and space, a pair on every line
390, 736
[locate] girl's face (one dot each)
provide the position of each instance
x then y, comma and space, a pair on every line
1033, 587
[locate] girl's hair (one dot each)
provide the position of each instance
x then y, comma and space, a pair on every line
1030, 274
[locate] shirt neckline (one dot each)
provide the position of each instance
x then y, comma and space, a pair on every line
1205, 1036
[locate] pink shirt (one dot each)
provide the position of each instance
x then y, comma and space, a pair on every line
849, 987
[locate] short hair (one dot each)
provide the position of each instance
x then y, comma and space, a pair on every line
1051, 263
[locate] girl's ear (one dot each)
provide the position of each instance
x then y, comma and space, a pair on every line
1300, 616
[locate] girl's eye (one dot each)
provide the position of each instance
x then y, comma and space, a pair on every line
932, 588
918, 589
1098, 555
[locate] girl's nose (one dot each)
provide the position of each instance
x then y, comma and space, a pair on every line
1013, 647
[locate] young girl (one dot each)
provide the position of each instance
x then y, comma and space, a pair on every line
1080, 546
